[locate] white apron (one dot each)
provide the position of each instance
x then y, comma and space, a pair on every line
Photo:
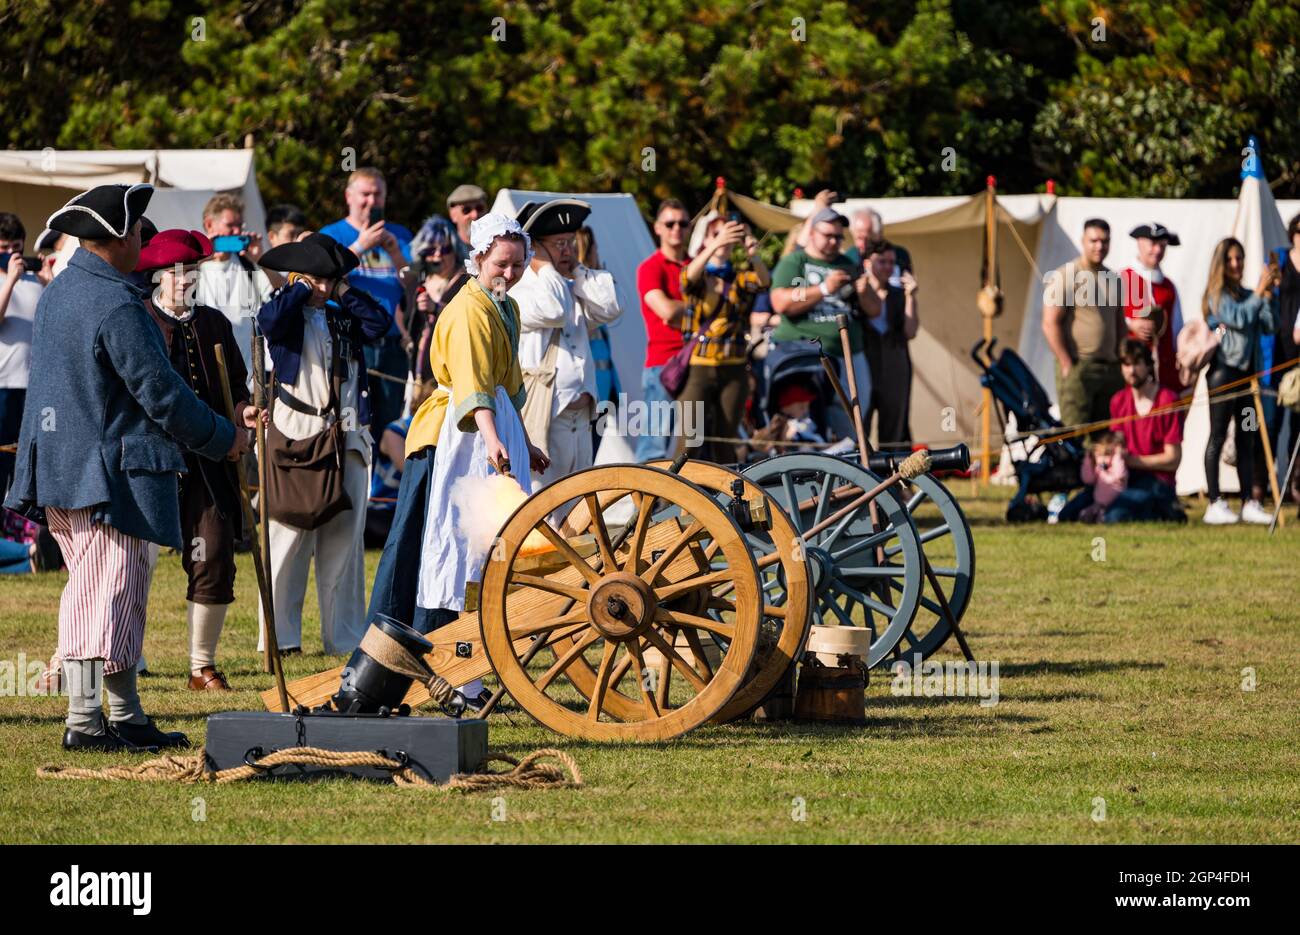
447, 559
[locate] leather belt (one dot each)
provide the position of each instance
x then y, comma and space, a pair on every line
297, 405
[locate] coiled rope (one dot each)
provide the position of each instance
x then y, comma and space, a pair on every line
529, 773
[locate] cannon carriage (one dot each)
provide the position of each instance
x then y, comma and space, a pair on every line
675, 595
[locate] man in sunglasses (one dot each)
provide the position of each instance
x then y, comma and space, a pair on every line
659, 283
811, 288
465, 205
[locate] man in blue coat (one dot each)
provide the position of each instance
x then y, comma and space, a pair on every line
105, 420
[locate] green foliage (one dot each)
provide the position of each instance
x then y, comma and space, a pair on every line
1166, 94
657, 97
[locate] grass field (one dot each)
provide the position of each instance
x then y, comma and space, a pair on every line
1121, 680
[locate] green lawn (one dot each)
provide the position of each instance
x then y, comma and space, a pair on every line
1120, 680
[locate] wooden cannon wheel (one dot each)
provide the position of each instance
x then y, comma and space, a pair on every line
783, 579
617, 610
860, 577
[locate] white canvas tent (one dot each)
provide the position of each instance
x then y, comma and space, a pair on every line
623, 241
35, 183
1036, 234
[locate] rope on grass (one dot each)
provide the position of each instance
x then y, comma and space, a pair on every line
528, 773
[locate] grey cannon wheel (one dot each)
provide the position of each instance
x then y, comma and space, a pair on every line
852, 585
950, 547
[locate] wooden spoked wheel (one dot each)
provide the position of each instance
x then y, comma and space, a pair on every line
609, 610
950, 547
783, 579
861, 576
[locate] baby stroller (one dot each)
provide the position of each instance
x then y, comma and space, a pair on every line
1049, 465
793, 362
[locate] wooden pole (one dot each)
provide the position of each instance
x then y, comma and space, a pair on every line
864, 449
1268, 444
263, 544
263, 582
990, 281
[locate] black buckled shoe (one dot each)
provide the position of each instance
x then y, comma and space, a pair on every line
147, 735
107, 741
479, 701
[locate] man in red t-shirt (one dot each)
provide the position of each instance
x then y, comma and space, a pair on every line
659, 283
1151, 307
1153, 444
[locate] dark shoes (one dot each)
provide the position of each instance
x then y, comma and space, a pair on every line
125, 738
478, 703
148, 735
105, 741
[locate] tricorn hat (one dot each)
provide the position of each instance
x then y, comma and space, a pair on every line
169, 247
105, 212
316, 255
148, 231
561, 216
1155, 231
48, 240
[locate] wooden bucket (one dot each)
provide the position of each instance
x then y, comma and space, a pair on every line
831, 644
833, 694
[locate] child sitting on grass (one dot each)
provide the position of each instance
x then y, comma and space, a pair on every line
1105, 469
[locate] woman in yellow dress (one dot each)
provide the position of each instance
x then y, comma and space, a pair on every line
473, 415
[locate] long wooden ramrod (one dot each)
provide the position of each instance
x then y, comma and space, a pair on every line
263, 580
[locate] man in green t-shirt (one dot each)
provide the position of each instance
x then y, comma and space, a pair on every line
811, 288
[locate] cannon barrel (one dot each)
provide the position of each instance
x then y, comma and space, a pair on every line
956, 458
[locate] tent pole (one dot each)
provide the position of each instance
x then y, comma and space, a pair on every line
990, 279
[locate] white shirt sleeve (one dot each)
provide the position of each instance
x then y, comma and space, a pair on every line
598, 297
544, 299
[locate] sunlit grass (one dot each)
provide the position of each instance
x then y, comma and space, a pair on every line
1120, 680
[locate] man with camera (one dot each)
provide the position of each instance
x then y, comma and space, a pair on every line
20, 290
811, 288
230, 281
384, 249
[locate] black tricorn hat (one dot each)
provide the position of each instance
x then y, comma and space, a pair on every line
561, 216
316, 255
103, 213
148, 231
47, 240
1155, 231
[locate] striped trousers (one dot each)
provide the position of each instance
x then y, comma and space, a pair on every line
102, 611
